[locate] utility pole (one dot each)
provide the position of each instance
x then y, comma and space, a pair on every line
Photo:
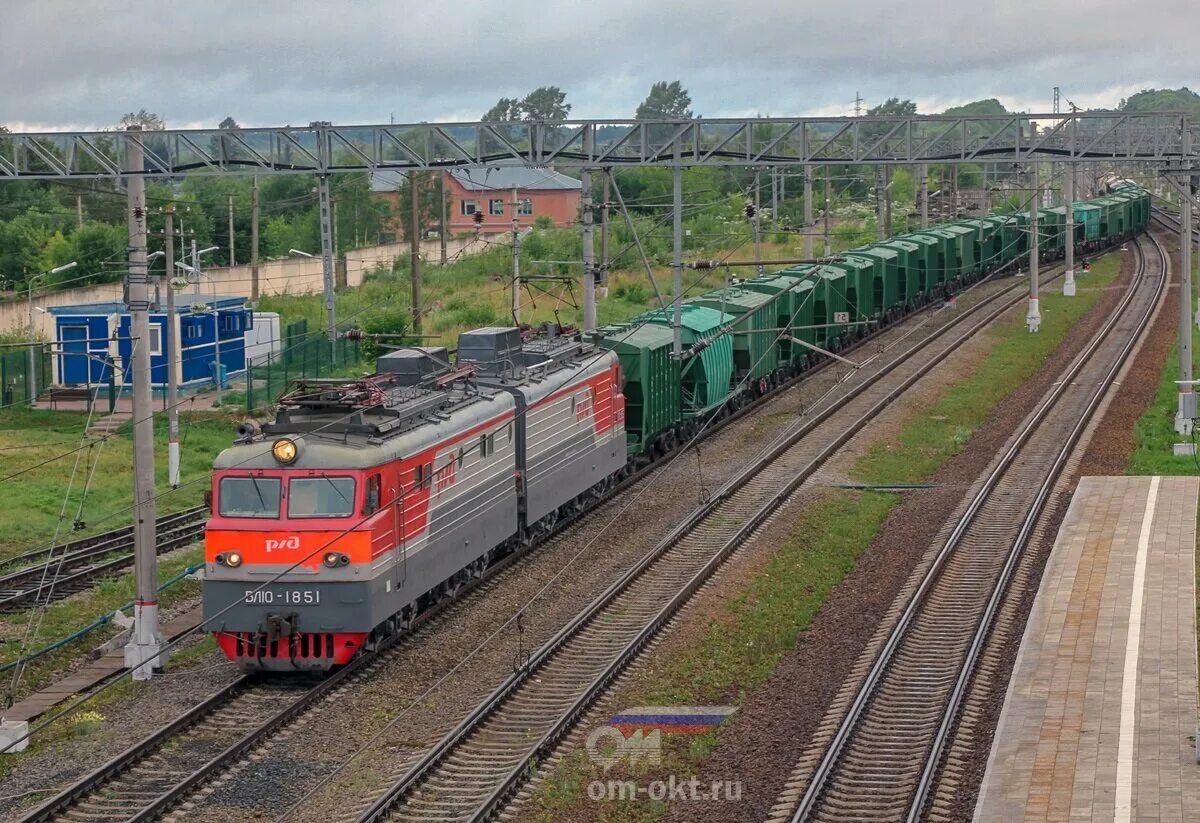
327, 262
808, 212
757, 227
218, 380
79, 210
232, 255
173, 360
516, 261
253, 239
339, 272
677, 250
879, 195
1186, 414
414, 251
443, 228
774, 198
923, 170
887, 201
146, 650
827, 203
589, 250
1069, 233
606, 181
954, 189
1033, 319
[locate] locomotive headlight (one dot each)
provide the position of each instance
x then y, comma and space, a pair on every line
285, 451
230, 559
335, 559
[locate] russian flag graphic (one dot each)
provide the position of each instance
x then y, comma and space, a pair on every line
671, 719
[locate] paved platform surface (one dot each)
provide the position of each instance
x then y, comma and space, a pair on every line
93, 674
1100, 714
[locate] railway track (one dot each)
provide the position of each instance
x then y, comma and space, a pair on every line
884, 752
49, 574
148, 779
472, 772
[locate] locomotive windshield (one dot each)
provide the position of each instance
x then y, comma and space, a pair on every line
249, 497
321, 497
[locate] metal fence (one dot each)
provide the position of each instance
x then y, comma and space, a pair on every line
15, 387
301, 355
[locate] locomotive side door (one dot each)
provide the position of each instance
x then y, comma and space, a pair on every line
398, 527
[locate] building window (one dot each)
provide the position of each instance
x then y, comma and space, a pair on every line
495, 207
468, 208
155, 339
526, 207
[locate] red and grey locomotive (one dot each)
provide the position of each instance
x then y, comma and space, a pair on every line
364, 501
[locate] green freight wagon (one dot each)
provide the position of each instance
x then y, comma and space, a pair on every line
652, 393
949, 265
1050, 232
864, 286
1110, 218
989, 242
1087, 219
908, 259
794, 306
831, 312
755, 349
706, 376
887, 288
968, 262
929, 261
1014, 242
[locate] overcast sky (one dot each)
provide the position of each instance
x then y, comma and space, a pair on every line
83, 63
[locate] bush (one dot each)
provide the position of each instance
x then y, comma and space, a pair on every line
634, 292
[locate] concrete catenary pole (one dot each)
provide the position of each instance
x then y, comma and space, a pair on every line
828, 201
516, 260
923, 173
589, 246
887, 201
1033, 319
254, 213
414, 251
146, 650
232, 253
757, 226
808, 212
1069, 233
444, 228
172, 349
879, 196
606, 179
677, 250
1185, 414
327, 262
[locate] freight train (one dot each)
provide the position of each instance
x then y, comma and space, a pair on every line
365, 501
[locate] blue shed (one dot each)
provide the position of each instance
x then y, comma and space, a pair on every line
94, 337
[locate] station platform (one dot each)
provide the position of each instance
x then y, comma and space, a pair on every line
1101, 712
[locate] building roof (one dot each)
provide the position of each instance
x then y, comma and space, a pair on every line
503, 177
183, 305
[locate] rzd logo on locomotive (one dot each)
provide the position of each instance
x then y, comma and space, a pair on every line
292, 542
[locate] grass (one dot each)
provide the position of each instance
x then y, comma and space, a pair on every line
1154, 433
746, 636
41, 449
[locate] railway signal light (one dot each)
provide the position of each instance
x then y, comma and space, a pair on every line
750, 210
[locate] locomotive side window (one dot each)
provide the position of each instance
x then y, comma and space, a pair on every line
249, 496
321, 497
371, 504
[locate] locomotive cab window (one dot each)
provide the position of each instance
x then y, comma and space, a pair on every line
371, 503
249, 497
321, 497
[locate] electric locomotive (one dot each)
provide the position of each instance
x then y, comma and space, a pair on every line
363, 501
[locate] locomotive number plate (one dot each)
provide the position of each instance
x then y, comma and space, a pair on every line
282, 597
841, 317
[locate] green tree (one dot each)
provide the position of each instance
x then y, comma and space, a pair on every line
149, 121
977, 108
1181, 99
666, 101
506, 110
228, 123
545, 103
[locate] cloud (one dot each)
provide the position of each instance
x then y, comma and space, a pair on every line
77, 63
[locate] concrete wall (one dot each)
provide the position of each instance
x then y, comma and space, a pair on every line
291, 276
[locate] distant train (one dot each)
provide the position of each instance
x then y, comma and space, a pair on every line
364, 501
